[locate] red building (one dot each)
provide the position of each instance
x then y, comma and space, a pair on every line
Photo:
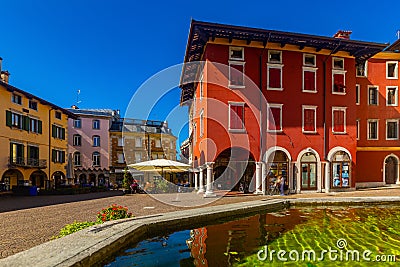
378, 114
267, 103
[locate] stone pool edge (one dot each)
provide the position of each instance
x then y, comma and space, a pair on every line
91, 246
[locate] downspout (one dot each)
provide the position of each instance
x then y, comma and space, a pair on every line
49, 175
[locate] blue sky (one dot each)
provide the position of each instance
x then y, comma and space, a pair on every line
107, 49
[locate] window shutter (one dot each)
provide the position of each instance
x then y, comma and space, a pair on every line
53, 155
8, 118
53, 130
63, 133
275, 78
236, 117
275, 124
309, 80
339, 83
25, 123
62, 156
39, 126
338, 117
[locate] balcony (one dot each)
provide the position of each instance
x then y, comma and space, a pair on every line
27, 162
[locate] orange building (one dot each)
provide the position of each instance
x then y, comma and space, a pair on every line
266, 103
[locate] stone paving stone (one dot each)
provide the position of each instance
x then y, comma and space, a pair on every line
30, 226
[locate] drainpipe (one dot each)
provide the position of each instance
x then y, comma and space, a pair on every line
49, 171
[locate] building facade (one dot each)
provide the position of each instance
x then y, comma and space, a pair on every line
33, 139
134, 140
89, 143
285, 107
378, 114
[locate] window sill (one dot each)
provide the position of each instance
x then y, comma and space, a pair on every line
391, 105
237, 130
309, 91
338, 93
391, 78
274, 131
392, 139
309, 132
340, 133
372, 139
236, 86
274, 89
373, 105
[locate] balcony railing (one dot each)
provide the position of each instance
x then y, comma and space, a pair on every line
27, 162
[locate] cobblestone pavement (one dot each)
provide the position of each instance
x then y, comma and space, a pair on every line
34, 220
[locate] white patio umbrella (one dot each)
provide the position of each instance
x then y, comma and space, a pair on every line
160, 165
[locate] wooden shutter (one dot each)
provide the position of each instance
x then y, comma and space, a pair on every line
62, 156
53, 130
309, 80
309, 117
274, 77
8, 118
40, 126
338, 121
236, 117
25, 123
63, 133
275, 120
53, 155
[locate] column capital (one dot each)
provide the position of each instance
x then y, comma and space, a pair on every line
209, 164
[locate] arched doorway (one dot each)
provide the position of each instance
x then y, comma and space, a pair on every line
11, 178
82, 179
234, 168
37, 178
391, 169
308, 163
341, 170
59, 179
92, 179
278, 165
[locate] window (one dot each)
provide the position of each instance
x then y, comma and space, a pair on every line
372, 130
77, 159
17, 153
201, 86
58, 132
236, 116
373, 95
17, 99
77, 140
309, 60
391, 95
236, 53
121, 141
78, 123
138, 142
58, 156
201, 123
121, 158
309, 79
338, 82
338, 63
339, 120
194, 133
33, 155
96, 124
274, 56
96, 159
35, 125
158, 142
33, 105
309, 119
274, 118
357, 94
236, 74
96, 140
138, 156
361, 69
16, 120
274, 81
358, 129
391, 70
58, 115
341, 169
392, 129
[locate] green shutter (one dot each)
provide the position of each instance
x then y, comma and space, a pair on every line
8, 118
25, 123
40, 127
53, 130
62, 156
53, 155
62, 133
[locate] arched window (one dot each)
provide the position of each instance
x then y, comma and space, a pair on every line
96, 159
308, 171
77, 159
341, 170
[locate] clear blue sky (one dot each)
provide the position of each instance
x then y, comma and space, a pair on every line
107, 49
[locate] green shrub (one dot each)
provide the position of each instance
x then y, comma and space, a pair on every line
113, 212
73, 227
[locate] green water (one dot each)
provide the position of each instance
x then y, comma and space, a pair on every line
336, 236
371, 233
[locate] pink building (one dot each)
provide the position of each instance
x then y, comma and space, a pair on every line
88, 145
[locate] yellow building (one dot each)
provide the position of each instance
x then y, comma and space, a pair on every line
33, 139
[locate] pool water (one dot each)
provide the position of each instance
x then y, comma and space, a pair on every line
303, 237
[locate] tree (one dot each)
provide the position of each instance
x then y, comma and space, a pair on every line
127, 181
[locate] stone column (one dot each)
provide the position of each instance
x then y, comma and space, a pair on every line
263, 178
210, 180
196, 180
258, 178
201, 181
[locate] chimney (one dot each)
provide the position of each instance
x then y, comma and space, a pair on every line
4, 76
74, 107
343, 34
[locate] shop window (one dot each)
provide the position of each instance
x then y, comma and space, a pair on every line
341, 170
274, 118
338, 120
308, 171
